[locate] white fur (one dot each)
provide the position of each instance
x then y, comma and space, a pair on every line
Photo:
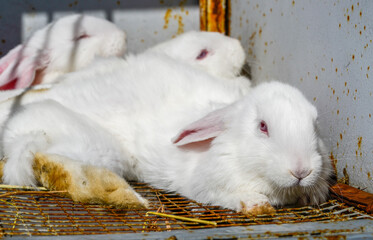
131, 109
65, 45
225, 57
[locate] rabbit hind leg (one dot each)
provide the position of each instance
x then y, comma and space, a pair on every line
84, 183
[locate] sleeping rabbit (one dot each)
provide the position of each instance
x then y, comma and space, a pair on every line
65, 45
153, 119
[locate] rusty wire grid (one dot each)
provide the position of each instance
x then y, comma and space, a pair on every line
51, 214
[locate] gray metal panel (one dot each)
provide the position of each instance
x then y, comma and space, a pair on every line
325, 49
146, 22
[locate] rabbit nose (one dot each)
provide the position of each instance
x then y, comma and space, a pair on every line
300, 173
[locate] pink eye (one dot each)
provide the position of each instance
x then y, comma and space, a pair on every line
263, 127
84, 35
202, 54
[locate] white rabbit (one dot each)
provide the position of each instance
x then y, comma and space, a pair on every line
65, 45
242, 153
223, 57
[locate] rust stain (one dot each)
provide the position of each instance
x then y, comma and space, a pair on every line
348, 18
352, 8
341, 136
334, 162
346, 178
369, 176
314, 99
353, 56
359, 140
331, 59
361, 13
345, 84
293, 3
180, 28
252, 36
316, 78
260, 32
2, 163
182, 4
167, 17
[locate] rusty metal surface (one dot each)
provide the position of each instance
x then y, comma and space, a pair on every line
52, 215
353, 196
213, 15
325, 49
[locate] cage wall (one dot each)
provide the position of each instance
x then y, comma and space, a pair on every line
325, 49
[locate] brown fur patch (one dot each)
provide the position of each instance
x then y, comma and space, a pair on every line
87, 184
51, 175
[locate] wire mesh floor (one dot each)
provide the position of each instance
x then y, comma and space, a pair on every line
51, 214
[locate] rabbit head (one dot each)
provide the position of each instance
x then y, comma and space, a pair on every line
220, 55
269, 141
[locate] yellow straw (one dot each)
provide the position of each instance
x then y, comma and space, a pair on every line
22, 187
183, 218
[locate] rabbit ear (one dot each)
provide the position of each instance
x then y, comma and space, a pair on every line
18, 70
207, 127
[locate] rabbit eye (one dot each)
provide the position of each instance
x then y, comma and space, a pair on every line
81, 36
263, 127
202, 54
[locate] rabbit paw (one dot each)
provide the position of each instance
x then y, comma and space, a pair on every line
87, 184
257, 209
257, 205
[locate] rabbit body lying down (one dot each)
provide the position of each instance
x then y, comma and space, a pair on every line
214, 53
63, 46
240, 152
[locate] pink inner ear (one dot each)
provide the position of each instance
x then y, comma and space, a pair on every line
184, 134
9, 86
207, 127
11, 57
